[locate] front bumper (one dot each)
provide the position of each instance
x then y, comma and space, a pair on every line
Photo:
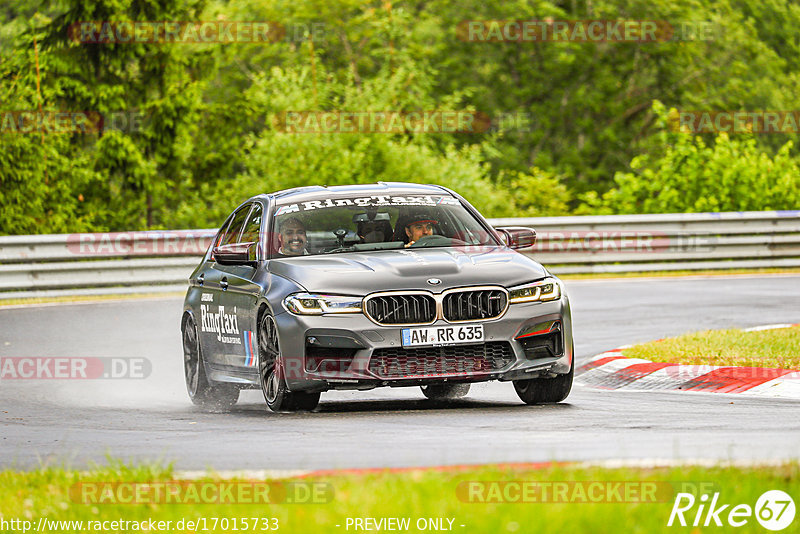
354, 344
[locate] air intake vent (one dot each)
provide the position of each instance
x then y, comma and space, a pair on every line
472, 305
401, 309
438, 361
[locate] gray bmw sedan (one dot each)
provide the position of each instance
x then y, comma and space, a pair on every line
362, 286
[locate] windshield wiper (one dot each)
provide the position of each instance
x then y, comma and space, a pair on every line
367, 247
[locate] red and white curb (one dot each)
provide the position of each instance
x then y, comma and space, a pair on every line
612, 370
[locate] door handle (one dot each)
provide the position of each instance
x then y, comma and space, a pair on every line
223, 283
200, 279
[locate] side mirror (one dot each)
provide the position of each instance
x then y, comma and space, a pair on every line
517, 237
235, 254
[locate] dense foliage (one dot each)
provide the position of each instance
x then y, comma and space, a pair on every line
730, 174
577, 126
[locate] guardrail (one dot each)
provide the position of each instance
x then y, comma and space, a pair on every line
162, 260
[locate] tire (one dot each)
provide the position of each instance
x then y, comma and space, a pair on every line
271, 373
545, 390
445, 391
202, 392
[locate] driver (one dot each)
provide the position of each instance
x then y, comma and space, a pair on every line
419, 225
292, 237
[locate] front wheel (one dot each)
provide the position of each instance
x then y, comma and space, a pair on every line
545, 390
201, 391
445, 391
271, 373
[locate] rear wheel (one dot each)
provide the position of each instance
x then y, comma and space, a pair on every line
545, 390
445, 391
201, 391
271, 373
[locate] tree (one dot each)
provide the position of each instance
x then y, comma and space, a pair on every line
732, 174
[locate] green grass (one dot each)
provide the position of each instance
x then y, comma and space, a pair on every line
416, 494
779, 348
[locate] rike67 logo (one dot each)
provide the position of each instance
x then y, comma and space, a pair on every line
774, 510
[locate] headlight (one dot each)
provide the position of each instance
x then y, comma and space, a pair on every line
311, 304
541, 291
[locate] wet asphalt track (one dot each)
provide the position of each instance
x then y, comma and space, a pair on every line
78, 422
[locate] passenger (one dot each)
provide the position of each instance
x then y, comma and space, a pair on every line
374, 231
292, 237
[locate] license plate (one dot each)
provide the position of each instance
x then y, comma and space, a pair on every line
442, 335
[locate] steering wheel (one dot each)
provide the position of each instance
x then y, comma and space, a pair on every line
432, 241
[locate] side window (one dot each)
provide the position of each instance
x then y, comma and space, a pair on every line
235, 227
253, 228
221, 232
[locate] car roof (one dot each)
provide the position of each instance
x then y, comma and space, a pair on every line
315, 192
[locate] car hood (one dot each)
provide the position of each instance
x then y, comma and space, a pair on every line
361, 273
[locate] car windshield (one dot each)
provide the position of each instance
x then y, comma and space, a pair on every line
377, 222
